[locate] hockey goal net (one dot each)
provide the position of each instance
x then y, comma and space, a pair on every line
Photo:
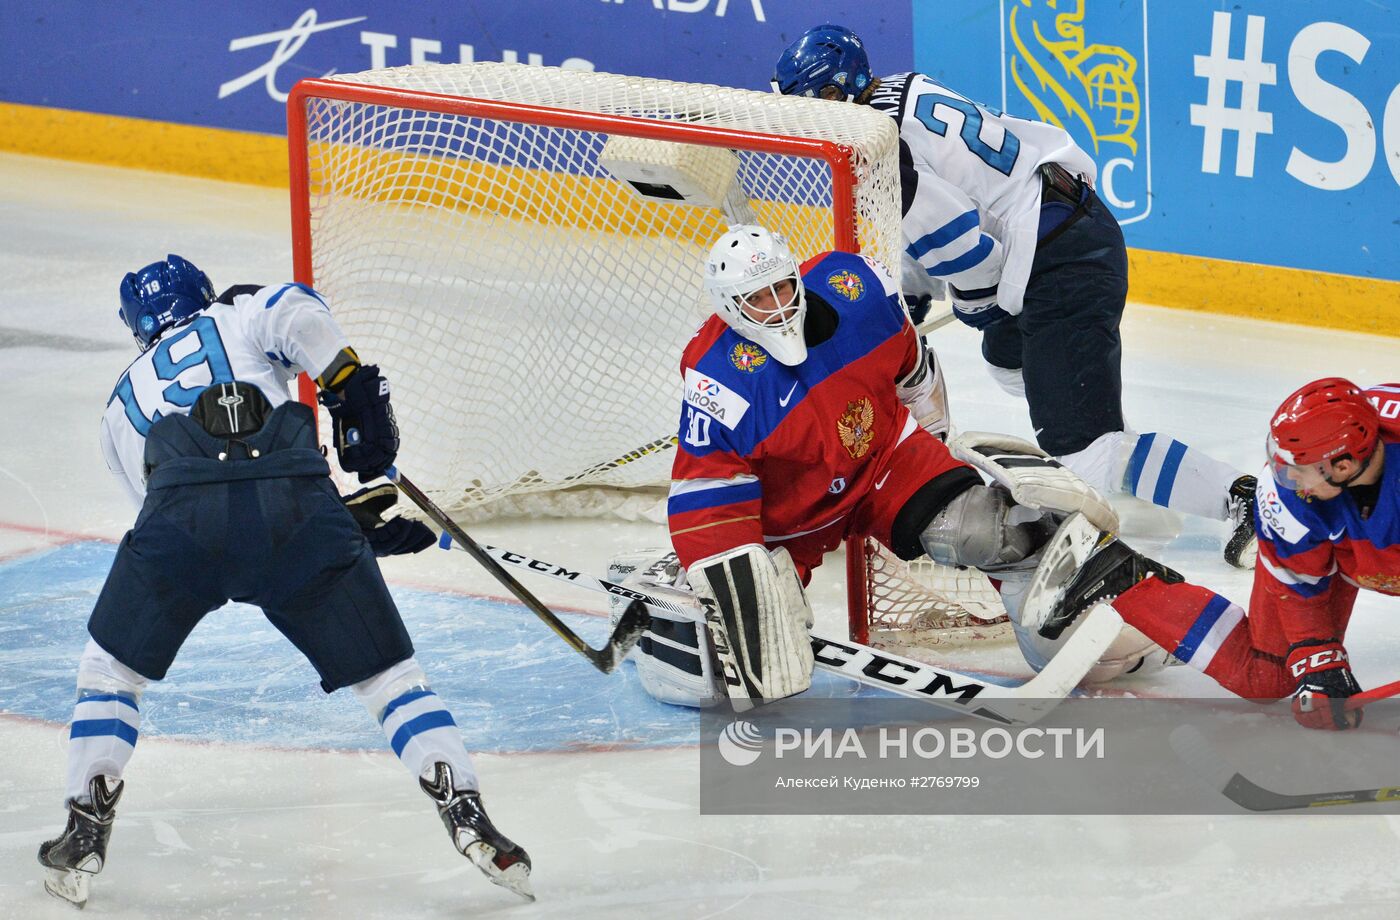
522, 247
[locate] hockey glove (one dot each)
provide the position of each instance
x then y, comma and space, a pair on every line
918, 306
978, 308
366, 436
1324, 683
390, 537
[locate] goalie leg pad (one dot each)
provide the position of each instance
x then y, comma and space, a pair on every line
1033, 477
758, 617
983, 528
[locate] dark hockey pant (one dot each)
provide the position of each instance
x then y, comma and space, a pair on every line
1065, 341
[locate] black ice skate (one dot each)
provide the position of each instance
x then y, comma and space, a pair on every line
79, 853
505, 863
1110, 570
1243, 545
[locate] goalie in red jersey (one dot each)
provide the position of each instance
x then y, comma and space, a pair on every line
1328, 524
812, 412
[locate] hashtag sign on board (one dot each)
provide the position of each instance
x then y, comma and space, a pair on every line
1219, 71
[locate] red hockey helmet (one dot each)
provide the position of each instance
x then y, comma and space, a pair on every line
1320, 422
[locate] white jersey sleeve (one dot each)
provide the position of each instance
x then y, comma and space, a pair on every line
263, 336
293, 326
970, 180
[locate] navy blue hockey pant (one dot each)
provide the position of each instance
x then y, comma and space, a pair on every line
286, 545
1065, 341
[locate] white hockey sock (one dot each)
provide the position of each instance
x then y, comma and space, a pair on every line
106, 720
1166, 472
420, 730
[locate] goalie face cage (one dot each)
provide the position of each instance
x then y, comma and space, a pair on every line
529, 306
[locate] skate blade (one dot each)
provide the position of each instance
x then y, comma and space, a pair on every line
69, 885
516, 878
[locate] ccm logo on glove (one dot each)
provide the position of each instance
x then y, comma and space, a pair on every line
1317, 661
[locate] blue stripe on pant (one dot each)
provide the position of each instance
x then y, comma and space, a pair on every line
1186, 649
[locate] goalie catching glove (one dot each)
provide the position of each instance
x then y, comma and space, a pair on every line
758, 617
391, 537
366, 435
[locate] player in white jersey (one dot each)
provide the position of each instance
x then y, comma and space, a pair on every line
237, 504
1003, 211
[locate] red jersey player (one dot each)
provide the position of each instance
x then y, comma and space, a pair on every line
812, 412
1328, 525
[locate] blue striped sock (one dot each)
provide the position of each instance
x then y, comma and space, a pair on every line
102, 737
422, 732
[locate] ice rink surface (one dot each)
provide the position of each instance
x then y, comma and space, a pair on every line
253, 795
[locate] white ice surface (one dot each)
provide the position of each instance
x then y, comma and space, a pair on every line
237, 830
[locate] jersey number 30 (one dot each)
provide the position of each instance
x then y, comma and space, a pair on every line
209, 352
1001, 160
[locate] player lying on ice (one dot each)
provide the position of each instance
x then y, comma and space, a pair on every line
812, 412
237, 504
1328, 525
1003, 210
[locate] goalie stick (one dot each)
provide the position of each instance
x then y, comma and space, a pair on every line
1022, 704
630, 626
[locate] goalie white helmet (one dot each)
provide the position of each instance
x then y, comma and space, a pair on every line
757, 290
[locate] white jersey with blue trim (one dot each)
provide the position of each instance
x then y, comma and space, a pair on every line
260, 335
970, 181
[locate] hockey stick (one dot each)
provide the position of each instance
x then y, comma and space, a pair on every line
931, 323
636, 453
1195, 751
1384, 691
966, 693
628, 631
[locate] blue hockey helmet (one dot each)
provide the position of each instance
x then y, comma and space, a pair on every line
161, 295
824, 56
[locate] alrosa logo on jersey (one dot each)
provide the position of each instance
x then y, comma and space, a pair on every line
1083, 67
847, 284
714, 398
1276, 516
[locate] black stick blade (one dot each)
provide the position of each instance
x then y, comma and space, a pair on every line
628, 632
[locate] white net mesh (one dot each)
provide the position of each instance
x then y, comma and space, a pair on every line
924, 604
532, 307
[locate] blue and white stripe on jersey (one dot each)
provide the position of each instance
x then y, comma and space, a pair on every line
696, 494
958, 245
1302, 585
